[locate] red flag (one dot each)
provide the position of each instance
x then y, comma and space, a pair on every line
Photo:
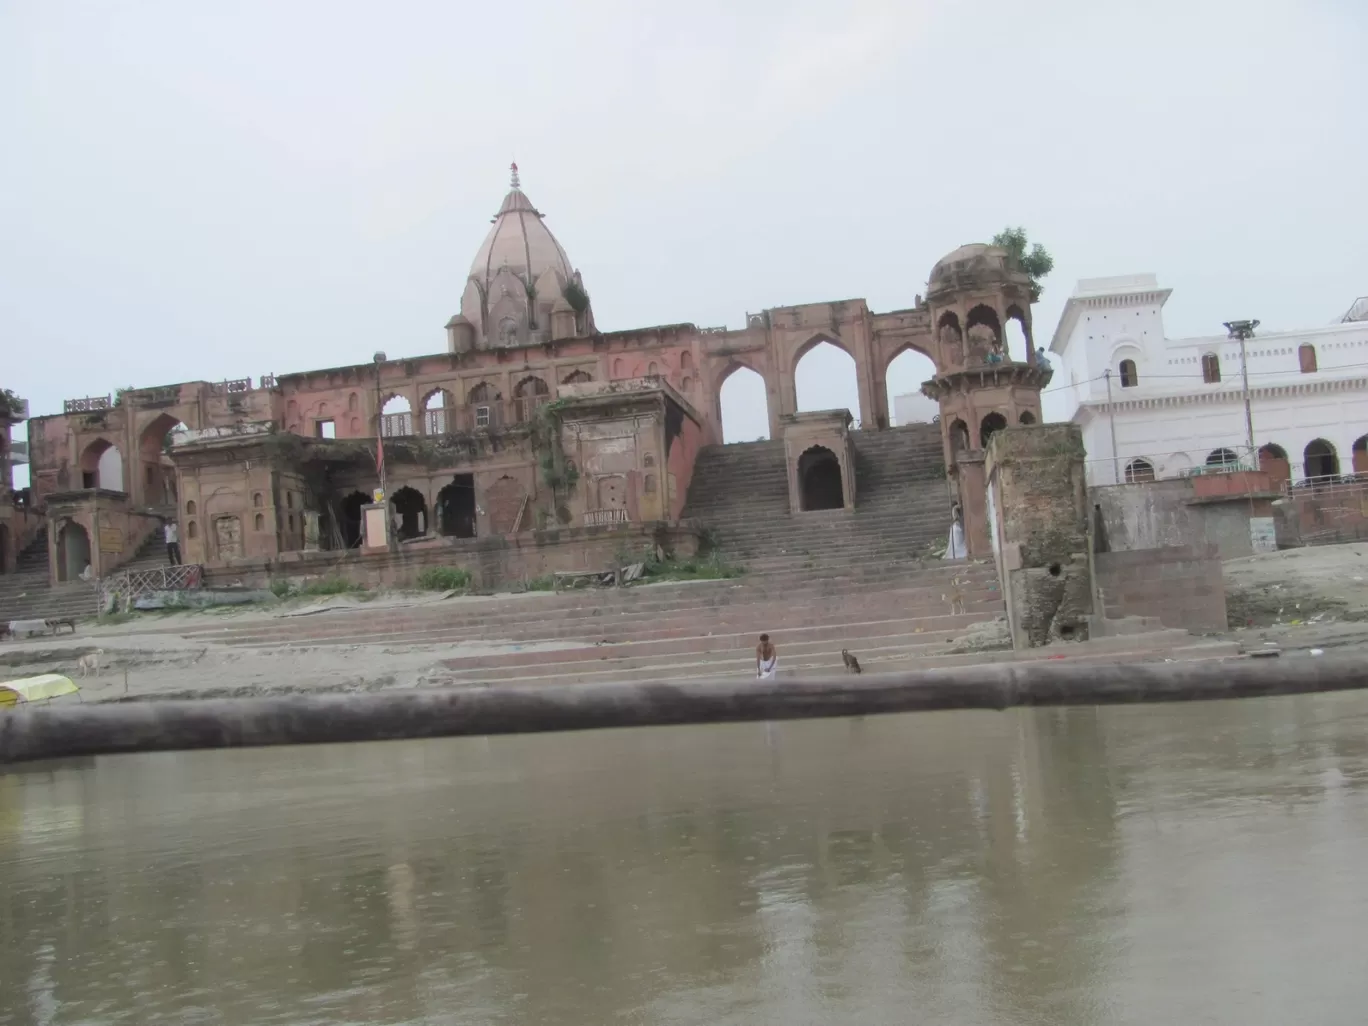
380, 455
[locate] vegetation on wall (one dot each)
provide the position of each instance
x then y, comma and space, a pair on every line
558, 472
576, 296
1037, 262
10, 404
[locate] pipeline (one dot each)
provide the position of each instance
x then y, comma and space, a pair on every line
119, 727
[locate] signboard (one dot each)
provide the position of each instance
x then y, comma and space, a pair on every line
599, 517
1262, 535
378, 495
111, 539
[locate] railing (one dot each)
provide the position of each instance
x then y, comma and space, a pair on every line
396, 425
152, 396
125, 587
89, 404
267, 381
235, 386
600, 517
525, 407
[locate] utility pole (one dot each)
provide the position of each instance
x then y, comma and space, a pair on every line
1244, 330
378, 359
1111, 416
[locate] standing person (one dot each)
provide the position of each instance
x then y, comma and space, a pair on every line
954, 548
172, 536
766, 659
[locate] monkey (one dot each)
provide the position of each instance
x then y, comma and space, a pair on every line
852, 664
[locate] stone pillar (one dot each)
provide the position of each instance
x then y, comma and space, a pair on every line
973, 491
1042, 532
310, 531
375, 528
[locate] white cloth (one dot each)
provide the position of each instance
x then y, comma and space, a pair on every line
769, 668
170, 533
954, 547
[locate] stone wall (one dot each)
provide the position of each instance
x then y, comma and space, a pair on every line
1177, 512
1039, 528
1180, 585
497, 562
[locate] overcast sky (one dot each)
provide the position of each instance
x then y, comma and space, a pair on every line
193, 190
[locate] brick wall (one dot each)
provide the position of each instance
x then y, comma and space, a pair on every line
1180, 585
1323, 515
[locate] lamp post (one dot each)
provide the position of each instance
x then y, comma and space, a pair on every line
1244, 330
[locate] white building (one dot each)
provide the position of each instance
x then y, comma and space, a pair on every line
914, 408
1153, 405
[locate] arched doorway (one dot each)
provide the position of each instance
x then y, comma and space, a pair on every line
1273, 462
102, 466
902, 384
959, 437
743, 405
530, 393
1320, 460
408, 513
396, 417
349, 522
824, 378
435, 412
73, 551
991, 425
1360, 455
819, 480
1016, 339
983, 332
455, 507
158, 472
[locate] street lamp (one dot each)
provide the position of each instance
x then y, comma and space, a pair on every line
1244, 330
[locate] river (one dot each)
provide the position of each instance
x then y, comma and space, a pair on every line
1162, 864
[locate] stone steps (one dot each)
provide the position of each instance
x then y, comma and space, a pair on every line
27, 595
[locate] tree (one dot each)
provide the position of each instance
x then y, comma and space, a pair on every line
1037, 263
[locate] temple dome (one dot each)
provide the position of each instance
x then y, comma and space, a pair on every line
519, 274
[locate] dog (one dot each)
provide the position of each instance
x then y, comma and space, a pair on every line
90, 661
852, 664
955, 596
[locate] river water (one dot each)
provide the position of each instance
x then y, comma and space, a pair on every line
1168, 864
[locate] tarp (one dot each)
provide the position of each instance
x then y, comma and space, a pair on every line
36, 689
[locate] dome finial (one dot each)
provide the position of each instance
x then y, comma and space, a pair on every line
513, 175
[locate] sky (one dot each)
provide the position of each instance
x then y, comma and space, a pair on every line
206, 191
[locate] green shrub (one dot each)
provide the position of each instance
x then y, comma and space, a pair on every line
547, 583
281, 588
328, 586
444, 578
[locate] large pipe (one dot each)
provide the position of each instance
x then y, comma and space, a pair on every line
102, 729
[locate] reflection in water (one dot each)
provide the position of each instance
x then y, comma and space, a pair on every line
1135, 865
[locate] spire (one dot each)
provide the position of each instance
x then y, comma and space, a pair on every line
513, 176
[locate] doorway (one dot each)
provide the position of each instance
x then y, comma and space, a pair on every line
819, 480
73, 551
456, 515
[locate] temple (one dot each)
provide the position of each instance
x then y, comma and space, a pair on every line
534, 441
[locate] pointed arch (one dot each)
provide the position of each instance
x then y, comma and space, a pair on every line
577, 377
1320, 460
743, 404
396, 416
1017, 342
437, 406
825, 377
530, 393
903, 376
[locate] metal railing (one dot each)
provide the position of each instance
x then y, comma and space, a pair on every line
120, 590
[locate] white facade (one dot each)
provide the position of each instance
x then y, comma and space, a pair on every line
914, 408
1307, 388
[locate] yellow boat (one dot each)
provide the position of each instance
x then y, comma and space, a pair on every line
36, 689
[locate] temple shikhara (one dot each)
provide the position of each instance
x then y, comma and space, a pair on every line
533, 440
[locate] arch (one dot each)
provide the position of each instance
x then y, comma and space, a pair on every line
191, 530
825, 378
190, 509
530, 393
1319, 460
1273, 462
903, 378
819, 480
455, 507
259, 522
1016, 332
1226, 459
1211, 368
435, 406
1027, 418
396, 417
1130, 377
154, 447
1306, 358
353, 402
102, 466
73, 551
685, 361
349, 522
743, 404
577, 377
950, 336
408, 512
652, 370
1359, 455
1177, 464
257, 501
959, 437
1139, 470
648, 485
983, 331
484, 401
989, 426
617, 367
687, 384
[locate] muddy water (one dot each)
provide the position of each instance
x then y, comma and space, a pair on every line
1199, 863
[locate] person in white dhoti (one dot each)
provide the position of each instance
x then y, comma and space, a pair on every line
954, 546
766, 659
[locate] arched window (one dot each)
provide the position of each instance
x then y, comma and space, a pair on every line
1306, 356
1319, 460
259, 523
1211, 369
991, 425
256, 498
1138, 471
1225, 459
190, 507
191, 531
1129, 376
1026, 418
